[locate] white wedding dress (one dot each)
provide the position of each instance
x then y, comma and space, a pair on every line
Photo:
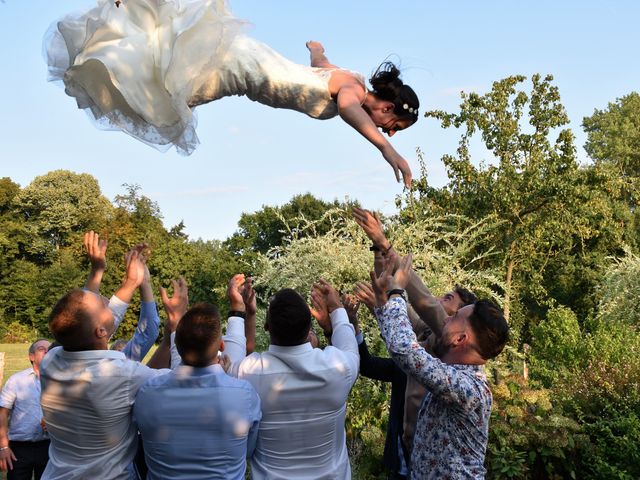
142, 67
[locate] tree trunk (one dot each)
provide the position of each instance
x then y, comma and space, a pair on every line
1, 367
507, 294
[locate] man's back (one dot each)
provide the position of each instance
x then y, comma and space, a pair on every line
303, 392
87, 397
197, 423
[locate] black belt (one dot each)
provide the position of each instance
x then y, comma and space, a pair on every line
19, 443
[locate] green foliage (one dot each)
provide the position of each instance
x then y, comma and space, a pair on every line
557, 346
16, 332
620, 291
614, 134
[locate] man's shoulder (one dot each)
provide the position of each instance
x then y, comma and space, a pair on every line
19, 377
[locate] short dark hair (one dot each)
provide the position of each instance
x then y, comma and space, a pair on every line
466, 296
490, 327
196, 334
69, 321
288, 318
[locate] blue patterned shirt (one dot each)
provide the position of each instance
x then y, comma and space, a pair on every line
453, 424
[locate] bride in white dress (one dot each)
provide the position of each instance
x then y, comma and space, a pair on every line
141, 66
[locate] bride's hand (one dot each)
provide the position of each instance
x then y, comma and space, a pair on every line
399, 165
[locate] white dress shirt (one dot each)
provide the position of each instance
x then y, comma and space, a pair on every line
87, 398
21, 395
197, 423
303, 391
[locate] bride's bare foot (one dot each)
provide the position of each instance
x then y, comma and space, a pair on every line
313, 45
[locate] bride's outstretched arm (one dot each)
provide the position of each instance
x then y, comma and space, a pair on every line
317, 57
351, 111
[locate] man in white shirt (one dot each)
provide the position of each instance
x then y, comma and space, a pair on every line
303, 390
88, 391
24, 443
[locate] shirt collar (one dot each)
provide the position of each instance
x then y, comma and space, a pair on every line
295, 350
186, 370
90, 354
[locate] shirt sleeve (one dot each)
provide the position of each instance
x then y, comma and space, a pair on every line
344, 338
235, 343
118, 308
439, 378
8, 395
146, 332
176, 359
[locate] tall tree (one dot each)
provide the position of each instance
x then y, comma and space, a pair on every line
58, 205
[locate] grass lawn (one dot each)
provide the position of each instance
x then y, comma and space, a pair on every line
16, 358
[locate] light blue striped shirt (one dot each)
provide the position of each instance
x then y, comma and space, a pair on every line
21, 395
197, 423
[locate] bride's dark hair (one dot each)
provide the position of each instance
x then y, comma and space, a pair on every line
387, 86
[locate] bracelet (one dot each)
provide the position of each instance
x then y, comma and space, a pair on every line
397, 291
3, 448
238, 313
386, 250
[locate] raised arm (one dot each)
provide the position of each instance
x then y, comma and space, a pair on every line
148, 326
349, 101
439, 378
317, 57
176, 306
96, 249
421, 299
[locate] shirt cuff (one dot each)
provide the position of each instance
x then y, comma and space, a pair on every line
338, 316
235, 326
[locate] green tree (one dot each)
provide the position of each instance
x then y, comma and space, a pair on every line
56, 207
551, 210
614, 134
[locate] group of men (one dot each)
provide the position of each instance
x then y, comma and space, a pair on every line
205, 403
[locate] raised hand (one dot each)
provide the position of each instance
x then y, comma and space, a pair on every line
234, 292
177, 305
351, 305
96, 248
372, 226
135, 269
364, 292
319, 309
331, 295
403, 272
249, 297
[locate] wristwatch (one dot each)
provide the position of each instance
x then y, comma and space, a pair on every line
397, 291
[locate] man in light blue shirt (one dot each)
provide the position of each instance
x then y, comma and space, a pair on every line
196, 422
24, 442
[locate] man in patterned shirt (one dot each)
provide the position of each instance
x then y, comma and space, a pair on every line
453, 424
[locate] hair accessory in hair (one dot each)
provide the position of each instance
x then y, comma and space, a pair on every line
411, 109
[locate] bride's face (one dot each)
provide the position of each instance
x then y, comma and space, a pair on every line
393, 125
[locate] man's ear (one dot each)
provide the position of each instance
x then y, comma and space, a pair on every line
101, 332
221, 348
460, 339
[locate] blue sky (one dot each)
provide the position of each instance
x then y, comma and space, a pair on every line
251, 155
